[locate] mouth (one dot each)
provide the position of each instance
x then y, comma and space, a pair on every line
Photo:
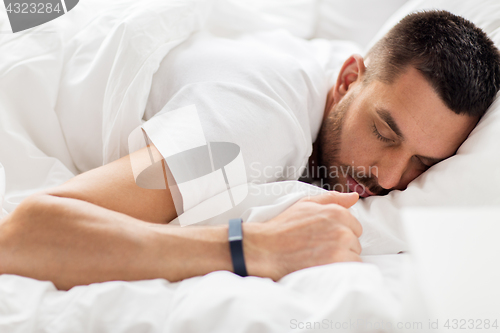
354, 186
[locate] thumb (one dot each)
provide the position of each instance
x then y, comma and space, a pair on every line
345, 200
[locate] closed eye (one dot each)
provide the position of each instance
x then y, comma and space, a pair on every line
380, 136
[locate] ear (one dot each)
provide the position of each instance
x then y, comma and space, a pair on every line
351, 72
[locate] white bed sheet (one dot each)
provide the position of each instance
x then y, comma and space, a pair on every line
218, 302
91, 69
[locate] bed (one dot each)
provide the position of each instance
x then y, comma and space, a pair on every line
94, 60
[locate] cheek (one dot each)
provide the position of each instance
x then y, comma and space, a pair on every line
358, 146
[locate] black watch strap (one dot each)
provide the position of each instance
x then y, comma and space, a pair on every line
236, 246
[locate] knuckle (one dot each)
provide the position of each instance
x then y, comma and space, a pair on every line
338, 211
343, 234
304, 199
360, 227
332, 212
306, 203
321, 214
358, 247
341, 255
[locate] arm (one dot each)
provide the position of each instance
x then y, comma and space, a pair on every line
94, 229
113, 187
72, 242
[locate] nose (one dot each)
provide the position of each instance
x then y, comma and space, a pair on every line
390, 170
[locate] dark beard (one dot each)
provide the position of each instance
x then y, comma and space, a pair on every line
328, 145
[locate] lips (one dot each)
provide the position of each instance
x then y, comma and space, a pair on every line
354, 186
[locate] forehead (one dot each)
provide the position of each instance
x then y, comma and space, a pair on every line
427, 124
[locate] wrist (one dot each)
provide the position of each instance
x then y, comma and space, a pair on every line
258, 258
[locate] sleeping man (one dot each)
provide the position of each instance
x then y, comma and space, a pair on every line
408, 105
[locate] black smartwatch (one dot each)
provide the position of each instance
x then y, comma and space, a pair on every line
235, 234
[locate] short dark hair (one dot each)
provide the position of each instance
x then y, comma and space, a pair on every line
457, 58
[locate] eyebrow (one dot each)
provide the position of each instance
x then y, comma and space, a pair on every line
387, 117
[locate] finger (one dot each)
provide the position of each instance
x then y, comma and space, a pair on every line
346, 256
339, 215
347, 236
354, 257
345, 200
356, 246
354, 224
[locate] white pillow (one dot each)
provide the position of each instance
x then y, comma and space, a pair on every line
231, 17
484, 13
470, 178
356, 21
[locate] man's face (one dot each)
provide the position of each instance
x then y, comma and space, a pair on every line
379, 137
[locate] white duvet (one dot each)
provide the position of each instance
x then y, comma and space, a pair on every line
218, 302
94, 62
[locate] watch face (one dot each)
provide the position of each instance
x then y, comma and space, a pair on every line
31, 13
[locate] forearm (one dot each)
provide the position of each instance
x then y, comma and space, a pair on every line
113, 186
72, 242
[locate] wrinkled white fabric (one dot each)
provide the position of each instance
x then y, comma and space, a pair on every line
68, 87
217, 302
265, 92
354, 21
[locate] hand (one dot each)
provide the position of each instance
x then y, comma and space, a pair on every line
314, 231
